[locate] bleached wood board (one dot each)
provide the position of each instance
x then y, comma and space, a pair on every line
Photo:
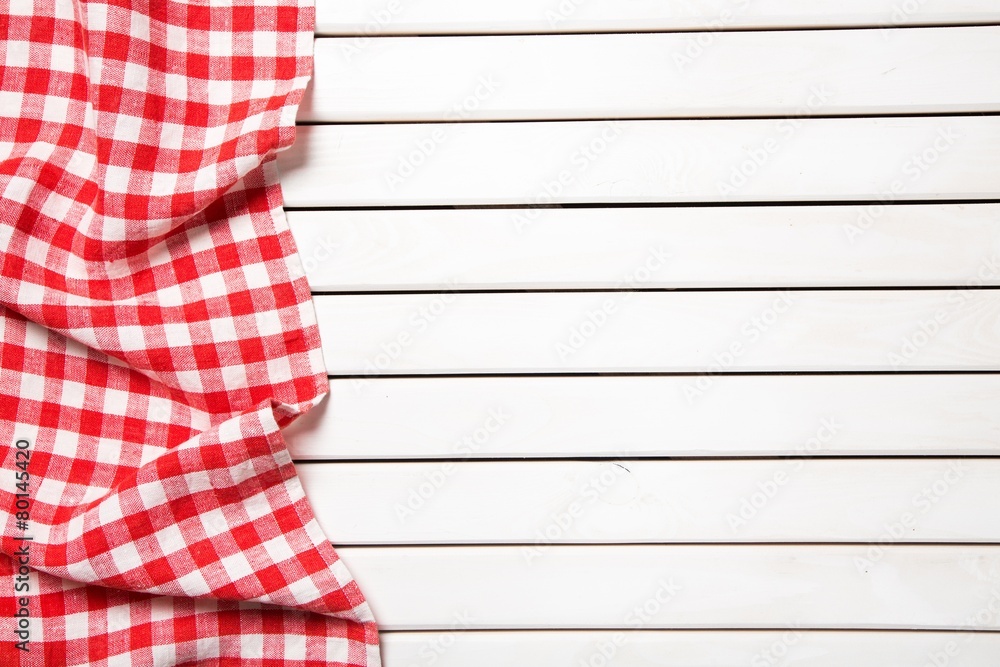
769, 415
595, 162
791, 646
830, 72
697, 332
550, 502
378, 17
641, 248
733, 586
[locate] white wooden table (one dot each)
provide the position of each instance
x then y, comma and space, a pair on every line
662, 332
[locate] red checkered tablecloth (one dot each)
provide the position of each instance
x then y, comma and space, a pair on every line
156, 332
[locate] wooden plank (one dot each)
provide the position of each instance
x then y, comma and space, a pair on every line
681, 586
775, 415
696, 332
657, 75
680, 648
595, 162
647, 248
378, 17
790, 500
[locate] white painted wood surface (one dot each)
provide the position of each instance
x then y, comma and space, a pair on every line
707, 416
367, 18
851, 429
601, 162
654, 75
628, 501
679, 648
693, 332
695, 586
645, 248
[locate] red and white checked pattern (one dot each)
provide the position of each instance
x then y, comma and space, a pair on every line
156, 332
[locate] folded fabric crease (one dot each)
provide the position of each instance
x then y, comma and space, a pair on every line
156, 333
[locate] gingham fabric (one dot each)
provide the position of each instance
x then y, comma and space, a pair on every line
157, 332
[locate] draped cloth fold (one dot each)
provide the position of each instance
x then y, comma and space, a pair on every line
156, 333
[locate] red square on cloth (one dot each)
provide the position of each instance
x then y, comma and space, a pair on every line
156, 333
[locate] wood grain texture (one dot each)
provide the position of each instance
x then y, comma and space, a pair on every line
647, 248
551, 502
680, 648
684, 586
380, 17
660, 75
595, 162
771, 415
643, 538
697, 332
